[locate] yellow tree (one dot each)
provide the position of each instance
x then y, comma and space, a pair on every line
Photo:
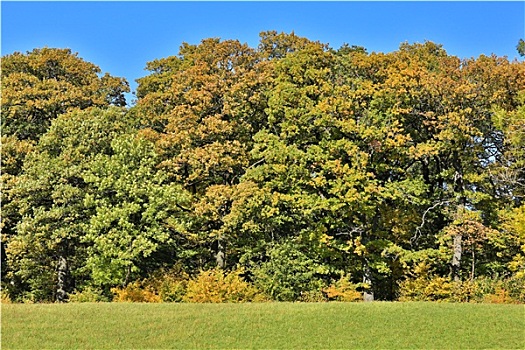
201, 108
446, 105
44, 83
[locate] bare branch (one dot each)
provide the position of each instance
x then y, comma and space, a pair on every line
256, 163
414, 238
355, 229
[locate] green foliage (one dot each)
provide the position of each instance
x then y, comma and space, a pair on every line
287, 273
508, 290
90, 193
49, 197
135, 211
521, 47
172, 290
88, 295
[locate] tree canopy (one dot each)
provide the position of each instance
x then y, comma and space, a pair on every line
307, 168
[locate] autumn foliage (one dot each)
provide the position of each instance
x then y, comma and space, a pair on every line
321, 173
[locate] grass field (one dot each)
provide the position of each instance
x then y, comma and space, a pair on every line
265, 325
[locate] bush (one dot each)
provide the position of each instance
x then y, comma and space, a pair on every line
170, 285
313, 296
87, 295
213, 286
343, 290
501, 291
480, 290
5, 299
163, 286
134, 292
288, 274
172, 290
500, 296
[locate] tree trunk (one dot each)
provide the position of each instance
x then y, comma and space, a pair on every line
473, 265
459, 187
456, 258
220, 258
62, 276
368, 294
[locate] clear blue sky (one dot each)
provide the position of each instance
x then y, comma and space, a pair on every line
120, 37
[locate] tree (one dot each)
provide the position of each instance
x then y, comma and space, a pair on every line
313, 174
447, 107
47, 253
39, 86
201, 109
135, 214
304, 164
521, 47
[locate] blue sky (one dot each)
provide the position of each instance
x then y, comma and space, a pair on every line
120, 37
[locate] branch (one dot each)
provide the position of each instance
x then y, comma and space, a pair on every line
182, 208
355, 229
256, 163
414, 238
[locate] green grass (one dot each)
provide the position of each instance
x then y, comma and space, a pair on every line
266, 325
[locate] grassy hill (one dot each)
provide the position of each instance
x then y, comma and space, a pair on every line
265, 325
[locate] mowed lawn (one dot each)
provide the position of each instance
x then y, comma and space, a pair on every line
265, 325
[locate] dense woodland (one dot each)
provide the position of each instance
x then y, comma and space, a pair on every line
292, 171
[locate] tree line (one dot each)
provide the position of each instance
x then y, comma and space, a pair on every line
294, 164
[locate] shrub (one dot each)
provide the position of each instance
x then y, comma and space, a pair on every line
213, 286
5, 299
343, 290
516, 287
172, 290
500, 296
288, 274
134, 292
87, 295
163, 286
312, 296
170, 285
501, 291
482, 289
426, 289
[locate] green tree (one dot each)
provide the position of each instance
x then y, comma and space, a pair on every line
46, 255
135, 222
37, 87
315, 177
521, 47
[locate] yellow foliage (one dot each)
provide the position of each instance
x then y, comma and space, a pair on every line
4, 297
214, 286
501, 296
426, 289
343, 290
482, 290
133, 292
